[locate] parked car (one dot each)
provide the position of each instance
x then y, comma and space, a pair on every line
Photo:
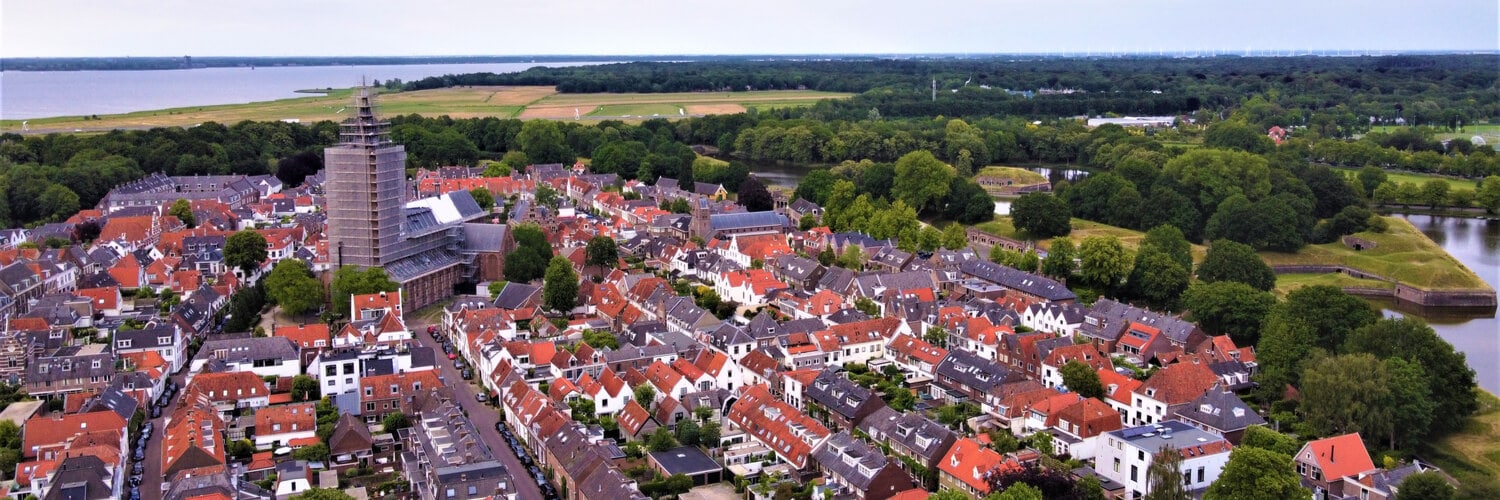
138, 468
481, 398
452, 356
468, 375
140, 454
155, 411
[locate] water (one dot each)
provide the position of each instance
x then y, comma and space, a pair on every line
1476, 243
40, 94
785, 175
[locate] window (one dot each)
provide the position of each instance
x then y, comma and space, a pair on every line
331, 370
1187, 478
1117, 465
348, 368
473, 490
1140, 455
163, 340
395, 388
451, 492
331, 382
369, 391
416, 386
275, 427
96, 364
123, 343
369, 406
1200, 474
1133, 473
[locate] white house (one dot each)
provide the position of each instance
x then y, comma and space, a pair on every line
1127, 455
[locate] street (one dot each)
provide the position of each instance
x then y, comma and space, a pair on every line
482, 415
151, 482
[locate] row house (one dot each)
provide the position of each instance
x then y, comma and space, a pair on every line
1127, 455
1168, 389
853, 469
71, 369
230, 392
166, 340
1088, 354
381, 395
789, 433
861, 341
916, 357
1062, 319
845, 404
1107, 321
968, 466
911, 435
285, 425
1030, 287
800, 272
1077, 427
964, 376
263, 356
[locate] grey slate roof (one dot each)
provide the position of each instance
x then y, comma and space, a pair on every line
1107, 319
971, 370
850, 459
1015, 279
923, 436
246, 349
484, 237
1220, 410
839, 394
723, 222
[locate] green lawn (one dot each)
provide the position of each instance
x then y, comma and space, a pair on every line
1285, 283
1472, 456
1014, 174
1490, 132
1402, 253
1416, 178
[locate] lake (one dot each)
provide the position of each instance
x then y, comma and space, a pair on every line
1476, 243
41, 94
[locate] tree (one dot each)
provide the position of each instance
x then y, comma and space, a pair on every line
1257, 474
395, 421
1080, 378
645, 395
688, 433
1216, 175
867, 306
1060, 259
516, 160
1451, 382
1429, 485
1331, 313
1488, 194
1089, 488
1164, 477
602, 252
955, 237
349, 281
1229, 307
921, 180
601, 339
323, 494
1371, 177
754, 196
1041, 215
1347, 393
184, 212
312, 453
852, 258
1285, 342
245, 250
1158, 278
241, 449
661, 440
1411, 405
1260, 436
294, 169
57, 203
1435, 192
560, 288
1104, 261
483, 197
543, 142
292, 285
709, 434
1019, 491
1234, 261
304, 388
532, 254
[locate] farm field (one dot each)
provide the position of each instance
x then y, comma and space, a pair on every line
457, 102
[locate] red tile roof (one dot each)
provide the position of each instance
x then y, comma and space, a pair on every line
304, 336
43, 431
293, 418
1338, 456
230, 386
970, 462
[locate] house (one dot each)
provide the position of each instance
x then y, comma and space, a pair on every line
192, 440
1127, 455
292, 479
1031, 288
71, 369
231, 391
852, 469
910, 435
1106, 320
350, 444
283, 424
1220, 412
46, 436
165, 340
263, 356
1385, 484
967, 468
1088, 354
1170, 387
83, 478
844, 402
688, 461
635, 421
1078, 425
964, 376
381, 395
790, 434
1325, 463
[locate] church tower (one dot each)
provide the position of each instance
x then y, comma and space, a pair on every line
366, 178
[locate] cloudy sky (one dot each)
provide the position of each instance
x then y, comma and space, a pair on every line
81, 28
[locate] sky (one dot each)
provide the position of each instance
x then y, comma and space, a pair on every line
111, 28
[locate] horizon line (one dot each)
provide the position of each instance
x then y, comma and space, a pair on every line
1267, 52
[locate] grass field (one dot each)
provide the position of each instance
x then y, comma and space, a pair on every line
458, 102
1490, 132
1415, 178
1472, 456
1014, 174
1081, 229
1285, 283
1401, 253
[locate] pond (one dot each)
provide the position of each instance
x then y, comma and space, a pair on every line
1475, 243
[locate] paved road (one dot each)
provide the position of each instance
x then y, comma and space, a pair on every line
151, 483
482, 415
